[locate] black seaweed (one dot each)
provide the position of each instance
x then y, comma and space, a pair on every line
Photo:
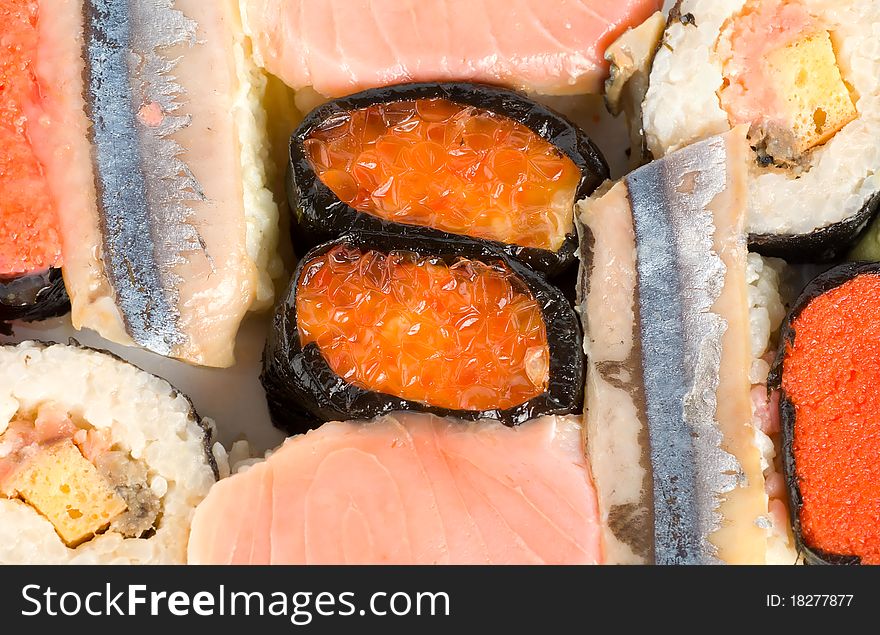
819, 286
321, 216
822, 245
33, 297
303, 391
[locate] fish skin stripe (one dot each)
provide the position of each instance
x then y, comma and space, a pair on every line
144, 187
678, 274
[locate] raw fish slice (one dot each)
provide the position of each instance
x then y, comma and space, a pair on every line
411, 489
667, 331
339, 47
180, 244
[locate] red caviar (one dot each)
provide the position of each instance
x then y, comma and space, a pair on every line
469, 336
29, 238
450, 167
832, 374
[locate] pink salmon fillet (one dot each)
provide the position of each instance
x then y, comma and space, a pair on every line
338, 47
409, 489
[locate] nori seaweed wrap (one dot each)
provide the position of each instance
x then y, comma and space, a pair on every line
439, 160
32, 297
375, 323
827, 368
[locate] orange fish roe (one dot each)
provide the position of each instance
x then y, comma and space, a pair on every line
469, 336
450, 167
29, 239
831, 375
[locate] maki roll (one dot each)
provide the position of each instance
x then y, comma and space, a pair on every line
100, 462
374, 324
827, 370
31, 286
409, 488
443, 160
667, 300
803, 76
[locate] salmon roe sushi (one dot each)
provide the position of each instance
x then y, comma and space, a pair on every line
450, 167
29, 235
830, 374
463, 336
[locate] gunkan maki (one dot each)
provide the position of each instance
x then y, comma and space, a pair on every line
828, 369
441, 160
373, 324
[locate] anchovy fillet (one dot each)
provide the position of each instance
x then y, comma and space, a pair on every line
680, 278
144, 187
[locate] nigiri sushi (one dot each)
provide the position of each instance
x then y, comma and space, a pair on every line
151, 139
338, 47
408, 488
677, 454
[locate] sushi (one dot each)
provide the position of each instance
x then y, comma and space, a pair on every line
827, 375
440, 160
408, 488
551, 47
802, 75
373, 324
156, 164
678, 462
100, 462
31, 286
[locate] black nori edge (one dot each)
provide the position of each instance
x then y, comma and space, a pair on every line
819, 286
825, 244
32, 297
303, 391
321, 216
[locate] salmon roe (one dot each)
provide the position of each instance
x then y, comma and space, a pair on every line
469, 336
450, 167
831, 375
29, 238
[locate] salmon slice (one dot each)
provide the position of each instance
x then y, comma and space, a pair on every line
409, 489
339, 47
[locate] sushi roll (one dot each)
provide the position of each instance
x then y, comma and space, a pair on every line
668, 298
408, 488
827, 371
550, 47
31, 286
444, 160
373, 324
803, 76
100, 462
151, 139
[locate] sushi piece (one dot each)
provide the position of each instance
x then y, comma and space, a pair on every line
803, 76
551, 47
167, 224
31, 286
100, 462
677, 459
408, 488
439, 160
827, 373
373, 324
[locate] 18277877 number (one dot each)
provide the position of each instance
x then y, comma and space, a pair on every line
811, 599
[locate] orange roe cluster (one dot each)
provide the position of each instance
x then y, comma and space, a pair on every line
29, 238
466, 336
831, 375
450, 167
